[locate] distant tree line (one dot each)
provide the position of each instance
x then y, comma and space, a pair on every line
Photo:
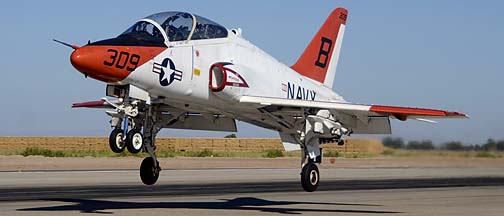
399, 143
230, 136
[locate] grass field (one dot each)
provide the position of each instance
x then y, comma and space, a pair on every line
163, 153
215, 147
443, 153
179, 147
272, 153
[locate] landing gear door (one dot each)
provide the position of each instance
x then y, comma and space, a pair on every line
120, 91
117, 91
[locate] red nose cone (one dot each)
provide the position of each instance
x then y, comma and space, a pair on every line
92, 62
77, 62
111, 64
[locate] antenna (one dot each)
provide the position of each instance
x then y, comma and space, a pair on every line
66, 44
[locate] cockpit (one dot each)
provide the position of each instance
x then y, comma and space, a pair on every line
165, 27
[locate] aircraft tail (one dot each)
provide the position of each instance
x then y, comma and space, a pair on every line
320, 58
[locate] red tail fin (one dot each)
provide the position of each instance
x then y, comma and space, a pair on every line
320, 58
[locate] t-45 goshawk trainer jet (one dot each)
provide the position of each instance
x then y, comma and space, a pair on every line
180, 70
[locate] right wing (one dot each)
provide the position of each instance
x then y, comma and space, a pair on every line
92, 104
177, 118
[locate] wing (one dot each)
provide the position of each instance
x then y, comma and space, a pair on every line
92, 104
373, 119
175, 118
104, 103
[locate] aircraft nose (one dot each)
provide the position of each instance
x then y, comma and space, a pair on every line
79, 61
92, 62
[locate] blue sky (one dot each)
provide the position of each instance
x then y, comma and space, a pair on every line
439, 54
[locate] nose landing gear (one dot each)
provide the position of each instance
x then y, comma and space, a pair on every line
116, 141
134, 141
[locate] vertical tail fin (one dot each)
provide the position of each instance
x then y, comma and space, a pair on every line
320, 58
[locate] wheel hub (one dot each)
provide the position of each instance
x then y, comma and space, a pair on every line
119, 141
313, 177
137, 141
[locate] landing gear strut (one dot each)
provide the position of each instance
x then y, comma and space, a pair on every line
319, 126
149, 169
127, 124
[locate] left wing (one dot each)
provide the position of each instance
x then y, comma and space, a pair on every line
401, 113
369, 119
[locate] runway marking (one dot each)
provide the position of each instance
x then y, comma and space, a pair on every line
137, 190
71, 171
136, 170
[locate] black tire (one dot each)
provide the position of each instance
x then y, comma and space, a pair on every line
116, 141
134, 141
148, 172
310, 177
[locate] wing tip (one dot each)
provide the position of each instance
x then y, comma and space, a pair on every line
456, 114
88, 104
405, 111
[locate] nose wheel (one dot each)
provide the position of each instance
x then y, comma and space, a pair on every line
116, 140
310, 177
149, 171
134, 141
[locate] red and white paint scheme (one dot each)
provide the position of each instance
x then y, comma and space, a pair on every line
180, 70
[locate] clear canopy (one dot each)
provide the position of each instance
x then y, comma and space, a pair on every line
208, 29
178, 26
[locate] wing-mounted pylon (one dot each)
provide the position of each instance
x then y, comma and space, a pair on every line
315, 122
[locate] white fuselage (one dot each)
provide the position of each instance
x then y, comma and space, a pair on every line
266, 77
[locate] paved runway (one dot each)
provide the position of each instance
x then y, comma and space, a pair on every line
348, 191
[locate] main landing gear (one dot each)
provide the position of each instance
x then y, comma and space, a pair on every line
319, 126
310, 177
149, 171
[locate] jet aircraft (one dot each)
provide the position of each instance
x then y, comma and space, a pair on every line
183, 71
